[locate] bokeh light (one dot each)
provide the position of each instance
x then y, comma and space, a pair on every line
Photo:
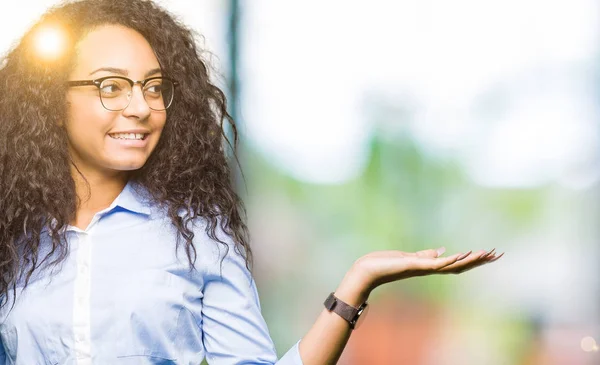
50, 42
588, 344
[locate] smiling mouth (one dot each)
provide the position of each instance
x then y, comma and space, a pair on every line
130, 136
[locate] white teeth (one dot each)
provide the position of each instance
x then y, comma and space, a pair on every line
127, 135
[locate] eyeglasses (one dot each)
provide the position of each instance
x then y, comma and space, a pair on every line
115, 91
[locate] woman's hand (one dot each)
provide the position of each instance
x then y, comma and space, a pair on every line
380, 267
325, 341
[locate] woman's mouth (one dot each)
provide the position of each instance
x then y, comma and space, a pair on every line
130, 139
129, 136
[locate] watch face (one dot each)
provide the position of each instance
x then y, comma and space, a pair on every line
362, 316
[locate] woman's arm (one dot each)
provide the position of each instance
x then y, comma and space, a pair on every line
325, 341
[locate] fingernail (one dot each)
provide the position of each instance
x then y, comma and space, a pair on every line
487, 254
463, 256
440, 251
497, 257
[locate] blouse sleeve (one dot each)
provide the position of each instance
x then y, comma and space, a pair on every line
234, 330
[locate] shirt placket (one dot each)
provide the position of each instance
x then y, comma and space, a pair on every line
82, 296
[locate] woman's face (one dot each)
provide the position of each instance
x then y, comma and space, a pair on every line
93, 145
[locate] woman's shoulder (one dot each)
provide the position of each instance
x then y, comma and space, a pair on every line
209, 234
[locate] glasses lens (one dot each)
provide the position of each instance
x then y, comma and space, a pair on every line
159, 93
114, 93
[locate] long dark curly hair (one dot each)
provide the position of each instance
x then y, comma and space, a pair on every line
189, 168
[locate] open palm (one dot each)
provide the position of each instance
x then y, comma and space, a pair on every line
381, 267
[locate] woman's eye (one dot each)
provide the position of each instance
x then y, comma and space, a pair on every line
110, 88
154, 89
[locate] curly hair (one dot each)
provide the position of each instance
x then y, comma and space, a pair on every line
188, 169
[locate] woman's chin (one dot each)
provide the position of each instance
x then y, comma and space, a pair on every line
128, 166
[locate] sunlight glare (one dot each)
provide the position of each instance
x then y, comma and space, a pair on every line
50, 42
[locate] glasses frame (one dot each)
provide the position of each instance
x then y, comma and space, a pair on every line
98, 83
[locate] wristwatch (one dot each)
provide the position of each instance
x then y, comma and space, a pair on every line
344, 310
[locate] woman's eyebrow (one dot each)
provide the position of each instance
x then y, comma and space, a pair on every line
123, 72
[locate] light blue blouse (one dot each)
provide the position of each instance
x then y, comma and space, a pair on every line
124, 296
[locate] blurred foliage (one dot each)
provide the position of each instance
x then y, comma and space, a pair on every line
405, 199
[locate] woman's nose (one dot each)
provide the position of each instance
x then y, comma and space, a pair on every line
137, 102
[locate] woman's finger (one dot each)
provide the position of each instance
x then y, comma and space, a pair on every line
431, 252
475, 257
496, 257
458, 268
488, 254
428, 263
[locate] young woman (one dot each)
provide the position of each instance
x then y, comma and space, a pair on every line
121, 236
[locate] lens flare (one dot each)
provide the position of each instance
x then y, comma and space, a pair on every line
50, 42
588, 344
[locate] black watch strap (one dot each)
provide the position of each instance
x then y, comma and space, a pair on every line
344, 310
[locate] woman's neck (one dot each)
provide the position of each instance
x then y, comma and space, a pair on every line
102, 190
